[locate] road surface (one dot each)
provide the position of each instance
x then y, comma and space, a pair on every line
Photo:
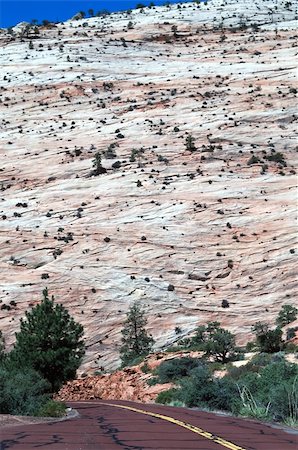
118, 425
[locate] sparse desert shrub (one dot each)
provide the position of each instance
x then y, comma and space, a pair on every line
225, 304
277, 157
96, 163
253, 160
291, 332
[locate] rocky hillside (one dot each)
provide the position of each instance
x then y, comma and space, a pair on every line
131, 383
179, 228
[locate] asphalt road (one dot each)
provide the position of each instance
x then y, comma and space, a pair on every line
115, 425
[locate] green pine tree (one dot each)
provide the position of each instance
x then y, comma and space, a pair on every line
190, 143
96, 163
135, 340
50, 341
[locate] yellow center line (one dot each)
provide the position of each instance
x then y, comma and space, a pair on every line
186, 425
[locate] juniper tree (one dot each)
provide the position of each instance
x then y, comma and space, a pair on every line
214, 341
135, 340
269, 341
50, 342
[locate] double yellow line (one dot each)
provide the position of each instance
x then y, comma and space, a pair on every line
188, 426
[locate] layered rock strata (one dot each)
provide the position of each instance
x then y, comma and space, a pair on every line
185, 231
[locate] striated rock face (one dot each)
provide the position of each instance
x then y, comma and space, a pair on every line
181, 231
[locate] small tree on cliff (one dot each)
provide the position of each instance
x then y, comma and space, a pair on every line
50, 341
269, 341
96, 162
215, 341
287, 314
135, 340
190, 143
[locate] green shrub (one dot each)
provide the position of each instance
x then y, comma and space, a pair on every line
253, 366
52, 409
269, 341
287, 314
134, 362
145, 368
284, 400
197, 389
277, 157
152, 381
22, 391
175, 369
202, 390
251, 346
291, 348
253, 160
166, 397
291, 333
260, 360
273, 386
265, 388
214, 341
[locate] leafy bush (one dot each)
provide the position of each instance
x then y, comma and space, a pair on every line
202, 390
52, 409
291, 332
175, 369
260, 360
145, 368
22, 391
152, 381
265, 388
273, 389
166, 397
269, 341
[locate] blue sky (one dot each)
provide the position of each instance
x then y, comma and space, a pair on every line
15, 11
